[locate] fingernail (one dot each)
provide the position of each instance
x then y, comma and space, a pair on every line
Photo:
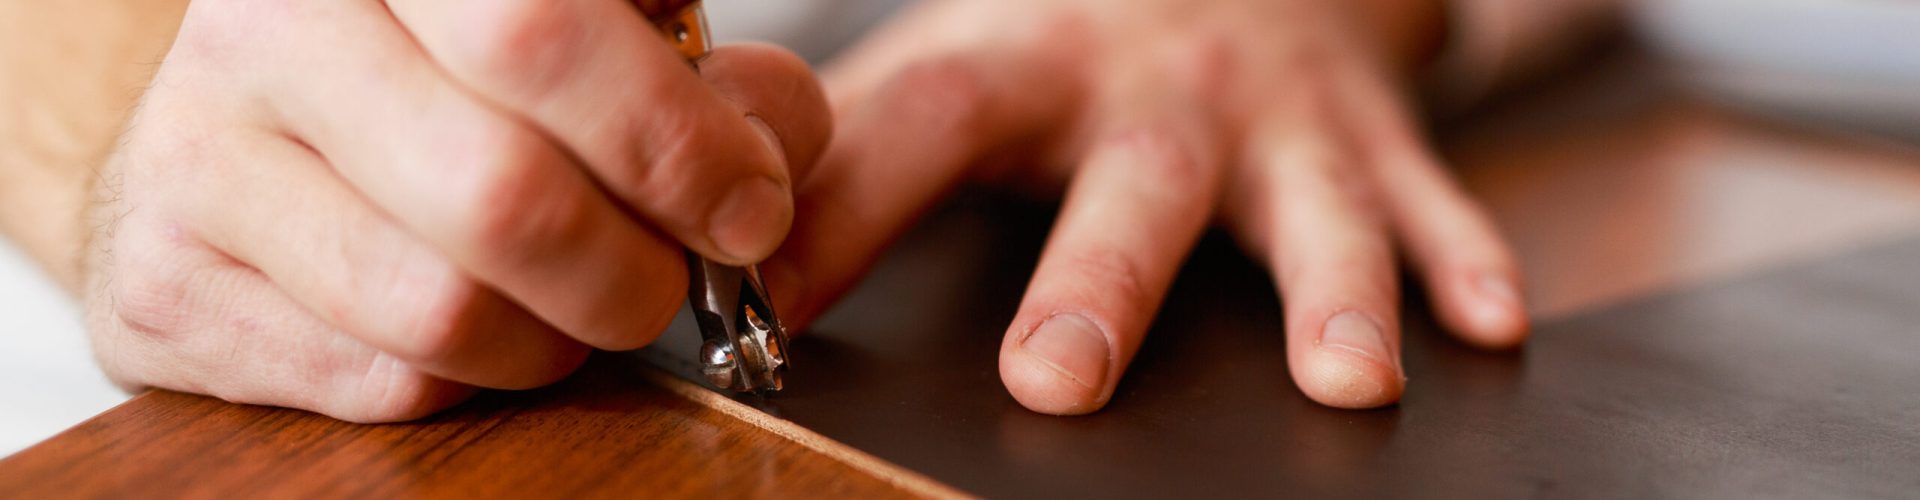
1354, 332
751, 220
1072, 346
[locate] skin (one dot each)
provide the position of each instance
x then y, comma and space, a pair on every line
1284, 121
370, 210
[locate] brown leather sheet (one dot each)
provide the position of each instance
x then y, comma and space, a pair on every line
1802, 382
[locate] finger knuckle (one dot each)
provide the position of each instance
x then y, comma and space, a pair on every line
148, 290
508, 199
1202, 65
1357, 192
447, 310
504, 234
1170, 156
676, 145
389, 392
1326, 164
945, 95
149, 305
1119, 277
517, 43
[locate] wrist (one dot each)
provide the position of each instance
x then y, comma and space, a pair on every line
42, 211
66, 76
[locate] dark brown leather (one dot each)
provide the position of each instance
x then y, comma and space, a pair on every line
1798, 383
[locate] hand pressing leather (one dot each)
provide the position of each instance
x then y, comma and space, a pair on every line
1283, 121
368, 209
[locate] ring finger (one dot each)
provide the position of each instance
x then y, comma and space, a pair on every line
182, 316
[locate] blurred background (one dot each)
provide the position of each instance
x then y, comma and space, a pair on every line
1848, 63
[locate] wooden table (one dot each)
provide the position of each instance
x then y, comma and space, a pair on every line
1676, 192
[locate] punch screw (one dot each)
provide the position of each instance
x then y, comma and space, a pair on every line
716, 361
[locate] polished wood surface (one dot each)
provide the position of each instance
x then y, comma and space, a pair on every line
1611, 188
606, 432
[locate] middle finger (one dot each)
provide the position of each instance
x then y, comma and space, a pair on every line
1312, 214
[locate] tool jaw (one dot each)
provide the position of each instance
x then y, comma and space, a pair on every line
743, 346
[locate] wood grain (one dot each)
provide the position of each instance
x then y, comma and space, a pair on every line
606, 432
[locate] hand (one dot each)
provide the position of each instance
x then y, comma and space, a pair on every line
367, 209
1282, 120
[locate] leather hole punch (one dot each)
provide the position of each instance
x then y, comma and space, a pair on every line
743, 348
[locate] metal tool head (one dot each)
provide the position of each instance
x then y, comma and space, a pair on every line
743, 346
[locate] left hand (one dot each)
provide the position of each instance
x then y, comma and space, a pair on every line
1283, 119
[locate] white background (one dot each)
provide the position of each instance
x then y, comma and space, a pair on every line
47, 377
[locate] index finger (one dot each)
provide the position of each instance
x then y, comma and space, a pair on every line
598, 77
895, 153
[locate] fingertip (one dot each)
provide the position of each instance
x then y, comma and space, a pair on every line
390, 390
1043, 387
1060, 367
559, 364
1341, 378
1488, 313
1505, 331
1353, 365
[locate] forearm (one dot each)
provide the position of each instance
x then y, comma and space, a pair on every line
40, 210
69, 73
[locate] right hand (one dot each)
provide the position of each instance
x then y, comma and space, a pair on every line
368, 209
